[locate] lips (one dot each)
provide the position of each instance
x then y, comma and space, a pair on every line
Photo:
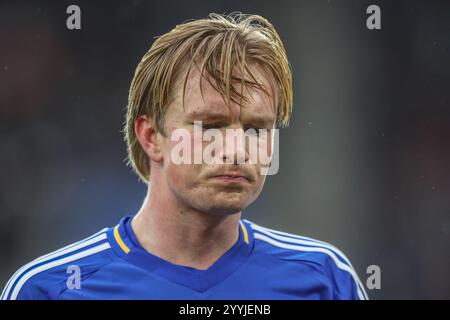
233, 177
231, 180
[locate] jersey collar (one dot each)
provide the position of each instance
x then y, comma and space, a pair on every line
126, 245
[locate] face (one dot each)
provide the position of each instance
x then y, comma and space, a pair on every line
222, 187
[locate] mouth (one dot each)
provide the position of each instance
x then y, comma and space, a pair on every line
231, 178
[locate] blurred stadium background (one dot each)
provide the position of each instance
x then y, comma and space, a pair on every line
365, 163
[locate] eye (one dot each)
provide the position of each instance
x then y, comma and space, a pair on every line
253, 131
207, 126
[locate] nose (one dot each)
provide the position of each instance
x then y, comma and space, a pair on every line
234, 150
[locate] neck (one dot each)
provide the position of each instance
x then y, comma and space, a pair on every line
181, 235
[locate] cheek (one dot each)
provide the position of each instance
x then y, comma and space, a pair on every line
259, 183
180, 175
266, 142
181, 168
177, 177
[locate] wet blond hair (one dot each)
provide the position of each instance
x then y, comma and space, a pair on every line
216, 46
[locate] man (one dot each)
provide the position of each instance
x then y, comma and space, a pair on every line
188, 241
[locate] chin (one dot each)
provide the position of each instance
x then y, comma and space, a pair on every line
224, 211
228, 203
225, 208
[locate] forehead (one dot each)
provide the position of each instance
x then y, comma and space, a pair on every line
212, 105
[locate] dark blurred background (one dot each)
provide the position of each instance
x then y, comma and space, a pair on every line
365, 163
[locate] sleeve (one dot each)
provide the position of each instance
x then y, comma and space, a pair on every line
344, 281
23, 287
46, 280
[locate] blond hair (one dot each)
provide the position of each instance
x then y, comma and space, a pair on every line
217, 44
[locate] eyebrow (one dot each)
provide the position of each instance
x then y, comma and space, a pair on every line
262, 122
213, 115
209, 113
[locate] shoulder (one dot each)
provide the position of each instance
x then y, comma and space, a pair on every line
321, 256
45, 276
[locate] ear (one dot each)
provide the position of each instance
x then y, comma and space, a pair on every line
149, 138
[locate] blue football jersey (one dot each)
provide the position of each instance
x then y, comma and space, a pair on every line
262, 264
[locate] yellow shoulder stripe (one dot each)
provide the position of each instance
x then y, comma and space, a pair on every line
119, 240
244, 230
